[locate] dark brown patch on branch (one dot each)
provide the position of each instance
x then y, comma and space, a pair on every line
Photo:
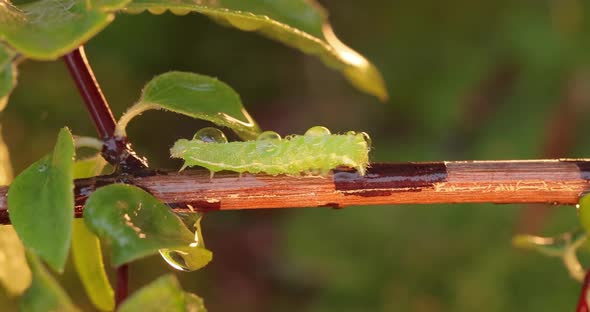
385, 179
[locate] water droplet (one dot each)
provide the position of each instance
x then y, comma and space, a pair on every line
367, 138
268, 135
157, 11
42, 168
317, 131
175, 259
180, 12
192, 257
210, 135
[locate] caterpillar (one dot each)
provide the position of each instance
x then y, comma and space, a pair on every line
316, 152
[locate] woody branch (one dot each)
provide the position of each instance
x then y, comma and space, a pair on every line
502, 182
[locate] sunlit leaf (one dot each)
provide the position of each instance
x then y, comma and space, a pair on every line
584, 212
86, 249
44, 192
135, 224
87, 258
8, 74
296, 23
15, 275
45, 294
163, 294
48, 29
89, 167
5, 166
197, 96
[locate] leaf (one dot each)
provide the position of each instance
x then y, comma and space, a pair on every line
197, 96
86, 249
8, 74
584, 212
43, 195
87, 256
15, 275
7, 83
5, 166
48, 29
135, 224
89, 167
296, 23
163, 294
45, 294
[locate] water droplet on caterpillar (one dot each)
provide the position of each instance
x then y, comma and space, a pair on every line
210, 135
317, 131
192, 257
268, 135
367, 139
157, 11
180, 12
42, 168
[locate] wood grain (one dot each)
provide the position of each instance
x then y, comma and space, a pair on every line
559, 181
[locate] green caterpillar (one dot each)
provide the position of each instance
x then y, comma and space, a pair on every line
316, 152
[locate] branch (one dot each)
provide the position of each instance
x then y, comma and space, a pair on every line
500, 182
117, 151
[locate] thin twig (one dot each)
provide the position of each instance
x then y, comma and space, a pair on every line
117, 150
501, 182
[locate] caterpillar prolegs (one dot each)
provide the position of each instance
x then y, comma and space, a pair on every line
316, 152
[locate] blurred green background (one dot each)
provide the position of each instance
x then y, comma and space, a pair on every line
468, 80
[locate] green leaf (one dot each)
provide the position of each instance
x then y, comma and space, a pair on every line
163, 294
86, 249
43, 195
193, 303
8, 74
48, 29
584, 212
7, 83
5, 166
15, 275
87, 256
45, 294
135, 224
297, 23
197, 96
89, 167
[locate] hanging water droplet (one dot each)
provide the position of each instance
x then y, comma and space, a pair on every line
317, 131
268, 135
174, 259
42, 168
210, 135
192, 257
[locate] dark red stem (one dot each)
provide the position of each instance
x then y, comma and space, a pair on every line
583, 301
117, 150
122, 282
90, 90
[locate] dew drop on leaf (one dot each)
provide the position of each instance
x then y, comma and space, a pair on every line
268, 135
317, 131
210, 135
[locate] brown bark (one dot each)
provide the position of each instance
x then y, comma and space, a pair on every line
501, 182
